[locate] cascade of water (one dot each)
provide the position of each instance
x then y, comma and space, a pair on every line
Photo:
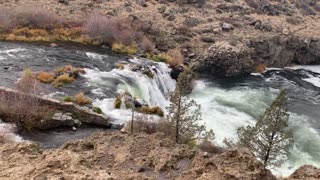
132, 78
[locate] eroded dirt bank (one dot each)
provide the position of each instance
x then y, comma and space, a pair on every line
114, 155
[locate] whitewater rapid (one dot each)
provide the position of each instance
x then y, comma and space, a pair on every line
8, 133
226, 104
224, 110
153, 91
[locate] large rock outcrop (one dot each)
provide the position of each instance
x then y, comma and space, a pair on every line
223, 59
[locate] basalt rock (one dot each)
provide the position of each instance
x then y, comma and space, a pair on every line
281, 51
223, 59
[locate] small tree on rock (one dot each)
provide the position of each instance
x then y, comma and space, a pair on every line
185, 113
270, 138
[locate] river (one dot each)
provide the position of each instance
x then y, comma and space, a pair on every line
226, 103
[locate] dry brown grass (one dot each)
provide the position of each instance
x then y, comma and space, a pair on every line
110, 30
150, 126
260, 68
152, 110
70, 69
81, 99
5, 20
65, 78
35, 18
123, 49
176, 58
147, 45
45, 77
62, 80
27, 83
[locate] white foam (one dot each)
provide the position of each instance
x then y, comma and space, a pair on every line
313, 80
15, 50
7, 132
121, 116
306, 149
224, 111
154, 91
313, 68
96, 56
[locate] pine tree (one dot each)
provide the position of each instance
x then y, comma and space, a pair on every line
185, 114
270, 139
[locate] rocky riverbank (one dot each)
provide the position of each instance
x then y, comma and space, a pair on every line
222, 38
114, 155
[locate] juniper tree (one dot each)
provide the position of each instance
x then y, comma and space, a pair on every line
185, 113
270, 139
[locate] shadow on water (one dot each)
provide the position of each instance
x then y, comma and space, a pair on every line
55, 138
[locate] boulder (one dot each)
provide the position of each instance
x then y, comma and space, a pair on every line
227, 27
59, 119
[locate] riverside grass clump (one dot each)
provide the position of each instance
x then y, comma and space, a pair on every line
151, 110
28, 24
63, 79
45, 77
61, 76
173, 57
123, 49
79, 99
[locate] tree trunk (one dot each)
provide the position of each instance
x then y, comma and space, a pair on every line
132, 107
266, 158
178, 118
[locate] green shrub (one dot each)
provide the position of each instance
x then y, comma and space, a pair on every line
117, 102
97, 110
68, 99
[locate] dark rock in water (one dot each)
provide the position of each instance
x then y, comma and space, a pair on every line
137, 104
136, 67
59, 119
116, 126
175, 73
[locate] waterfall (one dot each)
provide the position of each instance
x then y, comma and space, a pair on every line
130, 78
